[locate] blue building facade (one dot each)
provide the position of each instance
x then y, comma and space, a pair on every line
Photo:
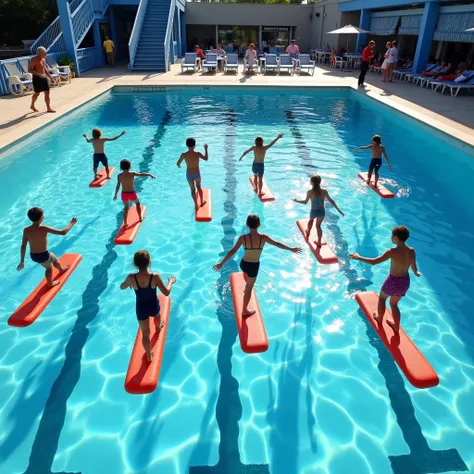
429, 21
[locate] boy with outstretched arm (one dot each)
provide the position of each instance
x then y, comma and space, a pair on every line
126, 179
378, 150
98, 143
397, 283
193, 174
37, 236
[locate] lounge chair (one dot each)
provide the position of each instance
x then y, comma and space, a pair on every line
376, 69
190, 61
414, 76
64, 71
305, 64
18, 81
271, 63
341, 61
210, 62
455, 87
232, 62
286, 63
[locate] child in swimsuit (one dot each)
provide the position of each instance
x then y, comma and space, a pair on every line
37, 236
397, 283
148, 306
193, 174
253, 243
98, 142
377, 151
258, 166
317, 195
127, 179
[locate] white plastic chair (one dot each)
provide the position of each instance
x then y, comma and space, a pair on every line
232, 62
286, 63
341, 61
210, 62
18, 82
305, 64
189, 61
271, 63
64, 71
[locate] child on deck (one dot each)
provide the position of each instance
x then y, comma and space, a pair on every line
98, 143
377, 151
37, 236
145, 284
127, 179
397, 283
253, 243
317, 195
193, 174
258, 166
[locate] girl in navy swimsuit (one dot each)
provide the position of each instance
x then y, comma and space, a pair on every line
145, 284
253, 243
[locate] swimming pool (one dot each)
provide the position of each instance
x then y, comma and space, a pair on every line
326, 397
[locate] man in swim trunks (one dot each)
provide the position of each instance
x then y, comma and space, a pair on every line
127, 180
98, 143
193, 174
377, 151
397, 283
37, 236
40, 74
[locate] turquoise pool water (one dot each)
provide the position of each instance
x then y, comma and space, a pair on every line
326, 397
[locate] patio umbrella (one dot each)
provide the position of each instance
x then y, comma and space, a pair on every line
348, 30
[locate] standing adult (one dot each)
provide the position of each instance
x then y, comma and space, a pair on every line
250, 58
109, 48
392, 60
385, 69
293, 48
40, 74
367, 55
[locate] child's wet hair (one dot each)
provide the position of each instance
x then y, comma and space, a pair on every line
35, 214
259, 141
401, 232
190, 142
96, 132
253, 221
142, 259
125, 165
377, 139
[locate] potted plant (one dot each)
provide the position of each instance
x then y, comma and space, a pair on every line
67, 61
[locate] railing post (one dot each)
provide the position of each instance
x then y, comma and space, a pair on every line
184, 41
113, 29
68, 34
98, 44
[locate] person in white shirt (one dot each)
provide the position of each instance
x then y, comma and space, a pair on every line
293, 48
392, 60
219, 50
251, 58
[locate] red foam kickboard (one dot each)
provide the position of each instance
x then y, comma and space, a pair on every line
204, 213
99, 182
411, 361
29, 311
125, 236
267, 195
381, 190
251, 329
142, 376
323, 254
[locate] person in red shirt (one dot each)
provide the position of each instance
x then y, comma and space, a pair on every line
200, 55
367, 55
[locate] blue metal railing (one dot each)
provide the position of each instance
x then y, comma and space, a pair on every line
81, 20
169, 34
74, 4
175, 51
137, 28
100, 6
88, 58
49, 37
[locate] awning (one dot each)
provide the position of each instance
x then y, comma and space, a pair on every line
453, 26
410, 25
384, 26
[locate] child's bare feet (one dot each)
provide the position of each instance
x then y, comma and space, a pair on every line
203, 203
160, 326
376, 317
97, 176
149, 357
63, 269
393, 325
55, 283
262, 194
319, 244
249, 312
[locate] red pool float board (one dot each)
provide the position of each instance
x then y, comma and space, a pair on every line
204, 213
251, 329
125, 236
142, 376
267, 194
411, 361
323, 254
99, 182
381, 190
29, 311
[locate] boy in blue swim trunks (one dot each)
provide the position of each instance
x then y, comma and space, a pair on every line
98, 142
258, 166
377, 151
193, 174
37, 236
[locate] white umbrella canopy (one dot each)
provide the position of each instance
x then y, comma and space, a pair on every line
348, 30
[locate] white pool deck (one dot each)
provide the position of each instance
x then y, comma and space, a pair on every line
451, 115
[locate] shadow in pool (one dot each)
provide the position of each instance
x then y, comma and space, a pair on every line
229, 406
47, 437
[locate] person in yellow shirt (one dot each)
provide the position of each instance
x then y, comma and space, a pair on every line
110, 51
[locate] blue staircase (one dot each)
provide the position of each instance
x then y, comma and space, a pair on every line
150, 54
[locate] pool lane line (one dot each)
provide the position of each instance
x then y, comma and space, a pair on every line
46, 441
229, 405
422, 459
